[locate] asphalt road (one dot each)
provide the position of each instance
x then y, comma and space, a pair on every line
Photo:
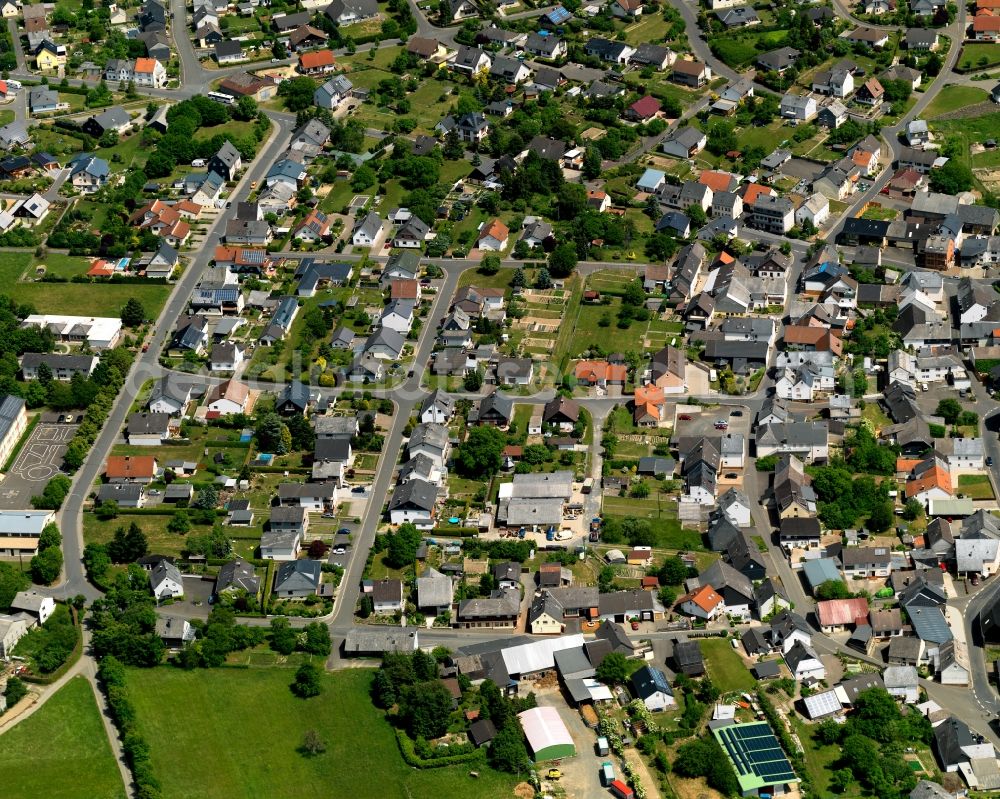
144, 367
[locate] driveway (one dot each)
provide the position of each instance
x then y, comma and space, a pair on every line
39, 460
801, 169
195, 604
580, 777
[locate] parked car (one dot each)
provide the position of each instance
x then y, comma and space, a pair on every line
736, 413
684, 417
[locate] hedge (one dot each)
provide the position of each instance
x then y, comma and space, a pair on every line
406, 748
455, 532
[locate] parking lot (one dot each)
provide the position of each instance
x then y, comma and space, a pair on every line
38, 462
701, 421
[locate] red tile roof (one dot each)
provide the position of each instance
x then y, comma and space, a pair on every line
645, 107
130, 467
316, 59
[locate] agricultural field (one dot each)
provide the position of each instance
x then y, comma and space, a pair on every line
224, 759
61, 752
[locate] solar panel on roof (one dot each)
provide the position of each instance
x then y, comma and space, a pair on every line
756, 754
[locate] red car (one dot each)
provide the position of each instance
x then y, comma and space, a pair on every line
684, 417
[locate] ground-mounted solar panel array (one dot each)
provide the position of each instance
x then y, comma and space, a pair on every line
756, 755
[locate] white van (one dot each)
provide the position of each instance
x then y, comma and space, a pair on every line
198, 162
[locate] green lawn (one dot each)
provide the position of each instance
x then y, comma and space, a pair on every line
662, 517
975, 486
61, 752
67, 266
207, 750
739, 50
651, 28
978, 56
612, 338
12, 266
954, 98
725, 666
236, 127
986, 159
99, 299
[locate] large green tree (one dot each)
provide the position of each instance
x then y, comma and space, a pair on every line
424, 708
481, 454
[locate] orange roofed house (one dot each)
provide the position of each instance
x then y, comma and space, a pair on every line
493, 236
717, 181
705, 603
929, 480
316, 62
650, 404
600, 373
130, 469
149, 72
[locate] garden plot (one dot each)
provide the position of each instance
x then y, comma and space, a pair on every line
543, 315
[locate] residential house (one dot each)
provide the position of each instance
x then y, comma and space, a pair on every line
651, 687
691, 73
297, 579
165, 581
685, 142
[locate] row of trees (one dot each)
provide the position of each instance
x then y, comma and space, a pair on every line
46, 566
111, 674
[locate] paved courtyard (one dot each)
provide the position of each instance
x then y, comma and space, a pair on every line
38, 462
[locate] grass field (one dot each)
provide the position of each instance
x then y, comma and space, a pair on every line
739, 50
955, 98
986, 159
725, 666
222, 758
651, 28
96, 531
61, 752
970, 130
97, 299
975, 486
662, 518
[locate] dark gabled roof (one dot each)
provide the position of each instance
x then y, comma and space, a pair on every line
687, 653
296, 393
650, 680
951, 736
616, 636
414, 493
